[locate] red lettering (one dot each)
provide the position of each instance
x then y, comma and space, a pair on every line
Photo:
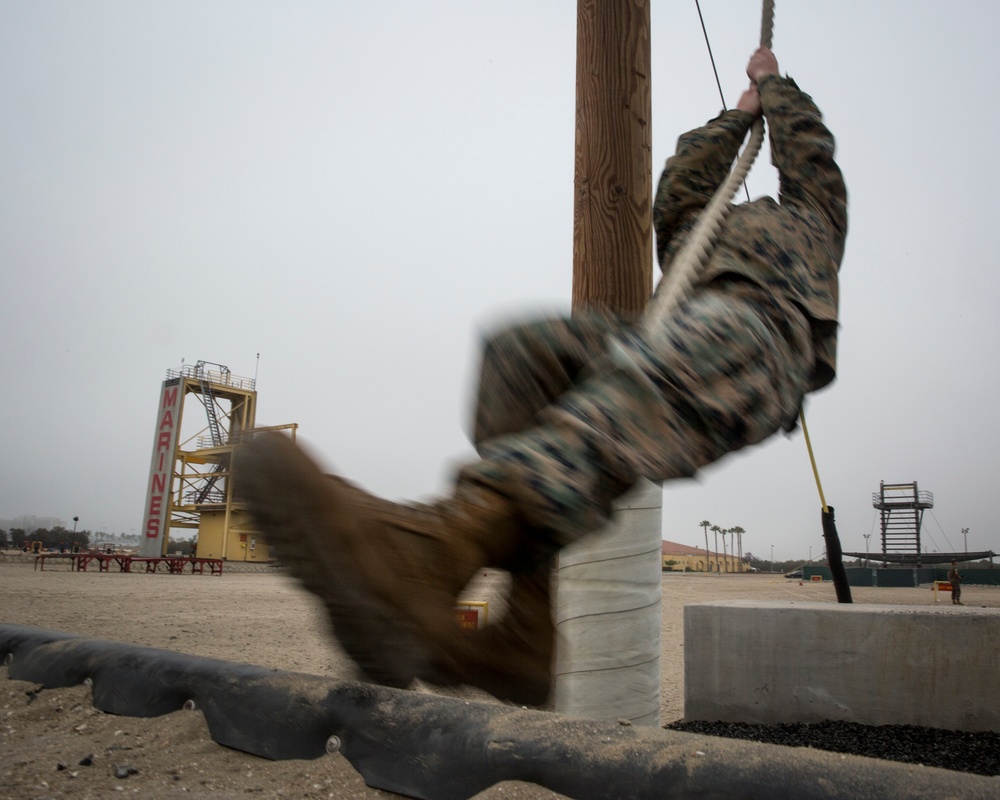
159, 477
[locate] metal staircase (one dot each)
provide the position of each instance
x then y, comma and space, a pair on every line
211, 409
204, 492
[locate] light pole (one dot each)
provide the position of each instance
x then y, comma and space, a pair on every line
72, 541
965, 536
867, 537
772, 558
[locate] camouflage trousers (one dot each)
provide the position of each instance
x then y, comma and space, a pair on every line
571, 412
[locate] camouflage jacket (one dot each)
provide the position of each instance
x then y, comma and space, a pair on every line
792, 247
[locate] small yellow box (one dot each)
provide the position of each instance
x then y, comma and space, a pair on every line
472, 614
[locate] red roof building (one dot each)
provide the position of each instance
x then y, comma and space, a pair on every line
677, 557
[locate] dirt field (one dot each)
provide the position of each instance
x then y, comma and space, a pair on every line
258, 618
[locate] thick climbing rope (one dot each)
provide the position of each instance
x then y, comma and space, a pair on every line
695, 252
693, 256
691, 260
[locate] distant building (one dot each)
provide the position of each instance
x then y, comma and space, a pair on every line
685, 558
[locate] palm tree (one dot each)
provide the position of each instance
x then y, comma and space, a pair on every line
739, 538
708, 559
715, 530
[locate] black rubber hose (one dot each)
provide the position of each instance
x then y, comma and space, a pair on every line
835, 557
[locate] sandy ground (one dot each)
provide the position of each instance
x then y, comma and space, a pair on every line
48, 736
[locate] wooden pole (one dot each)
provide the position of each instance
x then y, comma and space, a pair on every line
612, 219
608, 586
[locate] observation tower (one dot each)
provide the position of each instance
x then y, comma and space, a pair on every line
202, 413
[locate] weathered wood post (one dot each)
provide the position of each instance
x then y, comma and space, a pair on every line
609, 593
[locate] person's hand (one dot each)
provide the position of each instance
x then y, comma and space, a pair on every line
762, 63
750, 101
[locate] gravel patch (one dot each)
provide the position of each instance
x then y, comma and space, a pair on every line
962, 751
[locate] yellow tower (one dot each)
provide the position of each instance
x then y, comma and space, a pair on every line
201, 416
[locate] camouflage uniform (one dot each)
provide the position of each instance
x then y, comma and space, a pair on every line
571, 412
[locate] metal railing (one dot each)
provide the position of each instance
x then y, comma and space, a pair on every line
214, 376
885, 500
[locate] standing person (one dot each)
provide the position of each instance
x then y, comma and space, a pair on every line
955, 579
573, 412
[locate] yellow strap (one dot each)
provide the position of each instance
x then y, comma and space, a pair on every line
812, 459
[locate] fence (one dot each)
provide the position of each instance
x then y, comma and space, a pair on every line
893, 577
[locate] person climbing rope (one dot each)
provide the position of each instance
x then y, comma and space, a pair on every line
571, 413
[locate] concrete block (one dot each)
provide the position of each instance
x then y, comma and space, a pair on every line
774, 662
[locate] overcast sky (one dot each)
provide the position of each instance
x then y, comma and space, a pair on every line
357, 190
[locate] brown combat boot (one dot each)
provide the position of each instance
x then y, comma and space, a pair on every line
389, 574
